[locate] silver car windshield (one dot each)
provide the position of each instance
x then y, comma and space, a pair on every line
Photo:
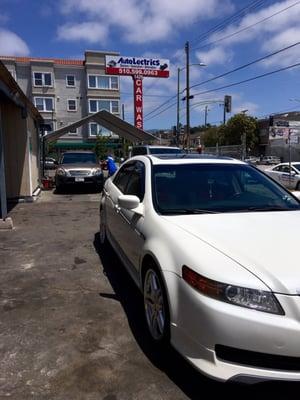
73, 158
207, 188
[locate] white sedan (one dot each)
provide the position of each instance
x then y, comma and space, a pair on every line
192, 234
288, 177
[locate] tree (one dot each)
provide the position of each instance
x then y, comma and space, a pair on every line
211, 136
101, 146
236, 126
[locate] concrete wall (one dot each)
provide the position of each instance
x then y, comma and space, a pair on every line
21, 169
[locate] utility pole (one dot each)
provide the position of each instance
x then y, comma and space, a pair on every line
205, 116
124, 140
187, 52
178, 107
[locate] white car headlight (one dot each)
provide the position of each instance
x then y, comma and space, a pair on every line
97, 171
258, 300
61, 171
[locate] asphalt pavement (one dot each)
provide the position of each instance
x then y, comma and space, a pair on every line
71, 319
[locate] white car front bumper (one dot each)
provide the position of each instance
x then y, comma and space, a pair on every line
200, 323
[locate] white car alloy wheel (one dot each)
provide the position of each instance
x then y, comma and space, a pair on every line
102, 233
156, 309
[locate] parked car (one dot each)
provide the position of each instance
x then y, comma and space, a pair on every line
290, 178
149, 149
78, 167
191, 232
270, 160
50, 163
252, 160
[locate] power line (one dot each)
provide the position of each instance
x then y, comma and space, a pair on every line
246, 28
224, 74
246, 65
233, 18
161, 105
162, 111
249, 79
231, 85
277, 112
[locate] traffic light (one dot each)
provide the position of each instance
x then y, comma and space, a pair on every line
271, 120
227, 103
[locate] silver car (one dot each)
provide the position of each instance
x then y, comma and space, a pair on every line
290, 178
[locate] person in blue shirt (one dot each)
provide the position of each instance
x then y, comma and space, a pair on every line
111, 166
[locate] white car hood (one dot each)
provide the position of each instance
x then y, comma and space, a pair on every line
265, 243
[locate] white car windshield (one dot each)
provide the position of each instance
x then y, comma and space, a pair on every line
210, 188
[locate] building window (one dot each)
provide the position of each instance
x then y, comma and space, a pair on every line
72, 106
70, 80
73, 132
96, 129
111, 106
50, 124
42, 79
103, 82
44, 103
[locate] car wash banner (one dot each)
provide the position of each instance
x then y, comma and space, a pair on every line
150, 67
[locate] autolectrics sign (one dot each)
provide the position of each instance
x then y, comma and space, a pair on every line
151, 67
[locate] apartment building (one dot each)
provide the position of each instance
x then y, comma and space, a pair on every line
65, 91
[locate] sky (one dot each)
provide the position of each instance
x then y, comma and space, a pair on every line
223, 35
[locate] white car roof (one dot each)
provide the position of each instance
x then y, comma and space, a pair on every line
160, 159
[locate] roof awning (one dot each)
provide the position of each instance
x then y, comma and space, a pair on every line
108, 121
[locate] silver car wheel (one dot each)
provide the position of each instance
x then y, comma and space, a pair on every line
154, 305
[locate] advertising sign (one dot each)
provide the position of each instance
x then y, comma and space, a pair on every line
138, 101
276, 132
150, 67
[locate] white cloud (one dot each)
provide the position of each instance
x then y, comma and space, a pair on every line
88, 31
279, 41
143, 22
273, 34
12, 45
217, 55
251, 107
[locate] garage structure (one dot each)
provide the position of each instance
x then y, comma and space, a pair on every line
111, 123
19, 144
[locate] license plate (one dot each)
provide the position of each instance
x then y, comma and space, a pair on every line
79, 179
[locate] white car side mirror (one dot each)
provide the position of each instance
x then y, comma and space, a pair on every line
128, 201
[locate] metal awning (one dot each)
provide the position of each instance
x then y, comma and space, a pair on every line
108, 121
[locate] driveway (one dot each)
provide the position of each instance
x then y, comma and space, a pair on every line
71, 324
